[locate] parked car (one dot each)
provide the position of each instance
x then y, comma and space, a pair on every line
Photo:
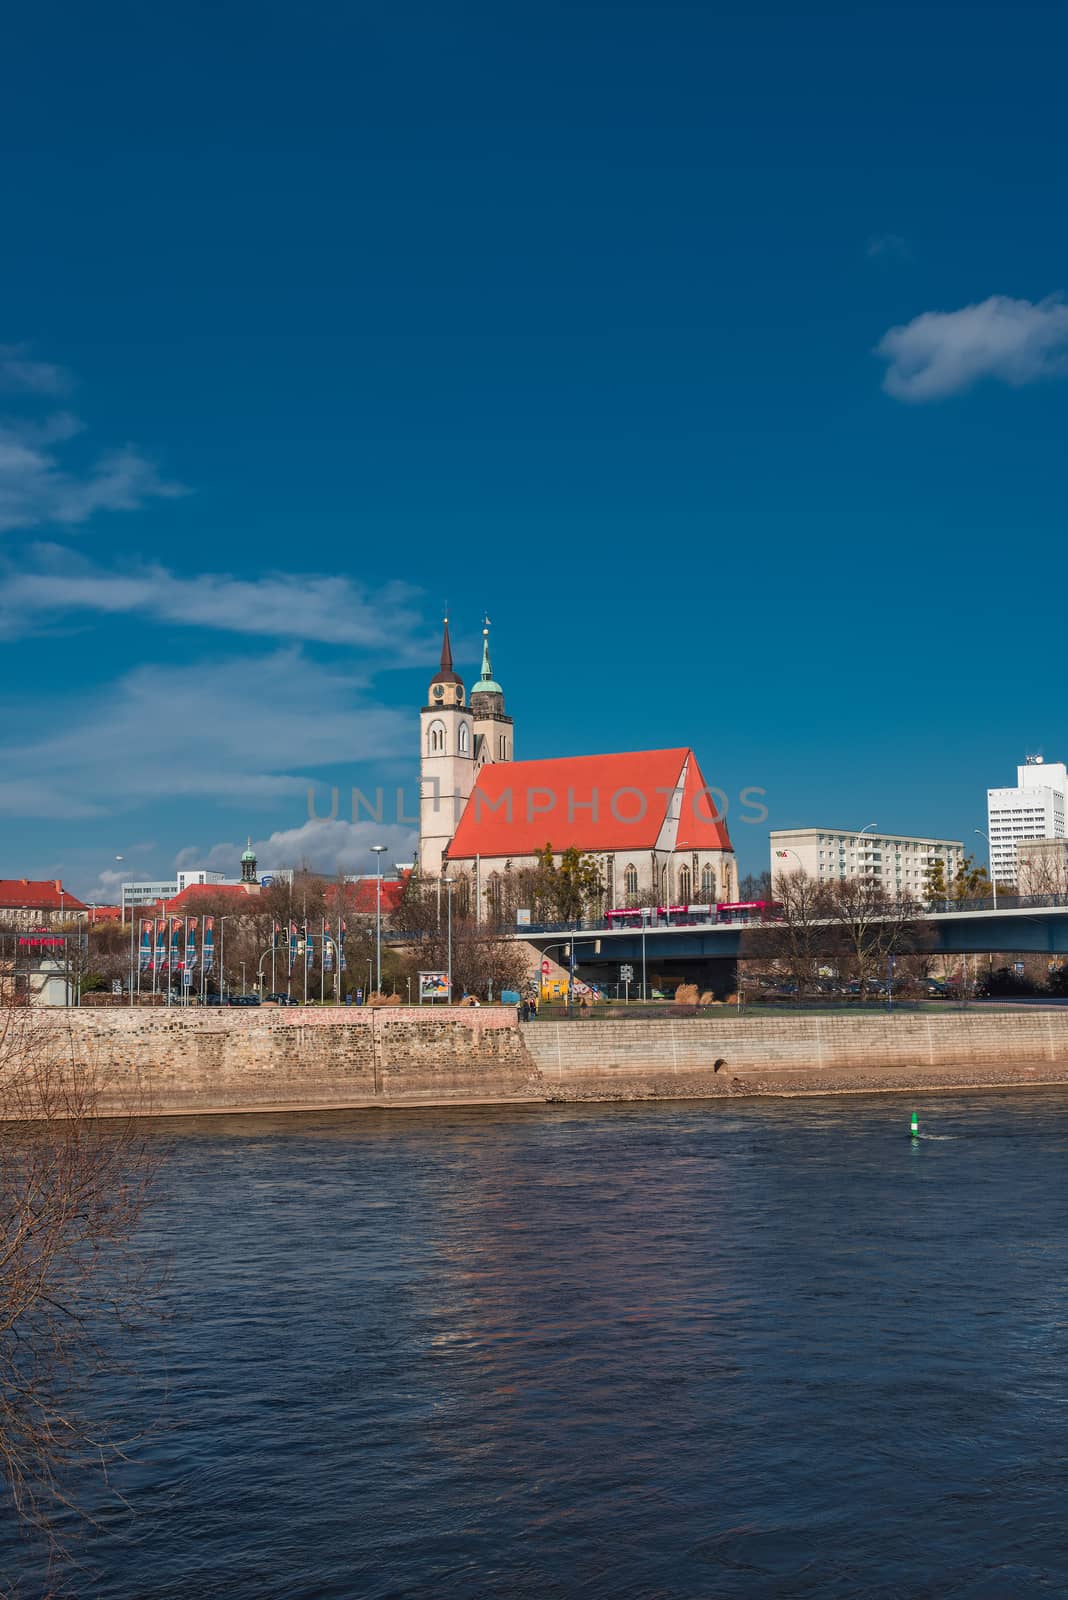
244, 1000
280, 1000
212, 1000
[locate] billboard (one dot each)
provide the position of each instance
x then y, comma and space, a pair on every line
433, 986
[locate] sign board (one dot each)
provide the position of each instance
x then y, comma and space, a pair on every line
1019, 968
433, 986
522, 918
116, 985
187, 977
267, 880
626, 973
546, 966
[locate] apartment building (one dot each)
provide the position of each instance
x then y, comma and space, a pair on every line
1035, 809
898, 862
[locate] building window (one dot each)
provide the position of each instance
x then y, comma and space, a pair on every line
436, 739
665, 883
685, 888
630, 882
708, 885
464, 738
502, 747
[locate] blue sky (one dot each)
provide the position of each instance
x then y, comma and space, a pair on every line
716, 351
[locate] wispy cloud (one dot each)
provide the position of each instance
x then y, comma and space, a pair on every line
49, 585
39, 483
250, 731
888, 247
945, 352
323, 845
19, 372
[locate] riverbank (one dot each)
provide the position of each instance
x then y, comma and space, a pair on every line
176, 1062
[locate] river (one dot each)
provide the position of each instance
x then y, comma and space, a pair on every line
754, 1348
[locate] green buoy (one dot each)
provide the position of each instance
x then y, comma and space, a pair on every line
914, 1131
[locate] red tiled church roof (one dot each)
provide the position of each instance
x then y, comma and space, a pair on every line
517, 806
38, 894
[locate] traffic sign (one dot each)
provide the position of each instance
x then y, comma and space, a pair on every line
626, 973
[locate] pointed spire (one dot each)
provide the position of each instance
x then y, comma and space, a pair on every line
446, 649
486, 684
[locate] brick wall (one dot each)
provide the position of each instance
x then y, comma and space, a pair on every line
177, 1061
194, 1060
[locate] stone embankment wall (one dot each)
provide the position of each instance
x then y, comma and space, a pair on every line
269, 1058
303, 1059
768, 1054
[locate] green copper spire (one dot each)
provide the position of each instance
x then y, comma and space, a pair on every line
486, 683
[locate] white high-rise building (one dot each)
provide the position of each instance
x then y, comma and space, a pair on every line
1035, 809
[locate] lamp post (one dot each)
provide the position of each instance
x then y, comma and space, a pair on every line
449, 886
990, 858
377, 850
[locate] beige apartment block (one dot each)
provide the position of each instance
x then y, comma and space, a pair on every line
898, 862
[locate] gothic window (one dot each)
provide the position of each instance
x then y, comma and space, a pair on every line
684, 886
503, 750
435, 741
464, 739
708, 885
630, 882
665, 883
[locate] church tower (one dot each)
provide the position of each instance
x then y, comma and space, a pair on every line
248, 864
447, 761
494, 737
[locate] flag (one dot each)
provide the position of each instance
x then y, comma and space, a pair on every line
309, 948
328, 952
342, 935
161, 944
191, 943
209, 945
146, 944
176, 944
292, 945
277, 940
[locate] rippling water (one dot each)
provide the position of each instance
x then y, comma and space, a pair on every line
763, 1348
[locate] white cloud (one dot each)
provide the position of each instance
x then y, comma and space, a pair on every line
18, 372
944, 352
246, 731
324, 845
49, 584
41, 485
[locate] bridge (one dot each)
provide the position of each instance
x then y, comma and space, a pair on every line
706, 952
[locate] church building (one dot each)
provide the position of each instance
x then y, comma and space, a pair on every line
647, 815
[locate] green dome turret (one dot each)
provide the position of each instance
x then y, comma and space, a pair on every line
486, 684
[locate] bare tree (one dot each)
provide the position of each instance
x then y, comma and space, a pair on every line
872, 926
799, 936
72, 1188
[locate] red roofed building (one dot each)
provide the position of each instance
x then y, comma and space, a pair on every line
33, 902
647, 815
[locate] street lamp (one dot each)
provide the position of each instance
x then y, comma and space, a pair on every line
990, 858
449, 886
378, 850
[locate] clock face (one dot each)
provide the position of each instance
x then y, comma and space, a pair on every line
459, 697
439, 692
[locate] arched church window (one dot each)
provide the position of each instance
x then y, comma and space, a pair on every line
630, 882
665, 884
503, 747
708, 885
436, 739
464, 739
685, 889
